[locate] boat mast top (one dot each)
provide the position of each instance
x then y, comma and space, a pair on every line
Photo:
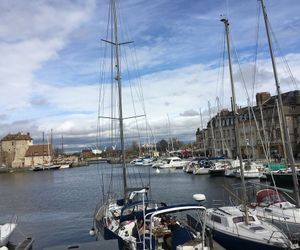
287, 140
235, 117
118, 79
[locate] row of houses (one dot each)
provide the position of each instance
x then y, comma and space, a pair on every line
257, 127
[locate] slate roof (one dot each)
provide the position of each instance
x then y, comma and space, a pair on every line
19, 136
37, 150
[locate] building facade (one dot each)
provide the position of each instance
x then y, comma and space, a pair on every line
13, 149
259, 128
38, 154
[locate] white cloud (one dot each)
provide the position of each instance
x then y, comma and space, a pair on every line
176, 49
31, 34
189, 112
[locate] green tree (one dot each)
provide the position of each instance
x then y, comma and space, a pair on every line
162, 145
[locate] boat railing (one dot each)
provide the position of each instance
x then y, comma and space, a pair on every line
294, 237
272, 236
176, 209
237, 229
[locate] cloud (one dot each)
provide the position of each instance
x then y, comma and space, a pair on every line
38, 102
32, 34
2, 117
189, 112
51, 57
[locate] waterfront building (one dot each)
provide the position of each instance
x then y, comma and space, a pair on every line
253, 136
201, 143
38, 154
87, 153
13, 149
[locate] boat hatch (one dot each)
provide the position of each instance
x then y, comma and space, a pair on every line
242, 219
257, 228
268, 210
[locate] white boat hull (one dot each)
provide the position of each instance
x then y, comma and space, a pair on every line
5, 232
200, 171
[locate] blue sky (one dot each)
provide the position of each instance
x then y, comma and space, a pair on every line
51, 51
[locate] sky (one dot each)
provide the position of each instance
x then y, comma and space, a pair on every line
51, 54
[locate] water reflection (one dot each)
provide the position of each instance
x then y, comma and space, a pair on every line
56, 207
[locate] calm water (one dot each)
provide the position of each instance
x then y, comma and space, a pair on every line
56, 207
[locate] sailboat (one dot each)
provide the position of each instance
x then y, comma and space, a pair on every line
270, 204
235, 227
6, 231
134, 220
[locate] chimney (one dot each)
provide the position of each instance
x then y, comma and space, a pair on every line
262, 97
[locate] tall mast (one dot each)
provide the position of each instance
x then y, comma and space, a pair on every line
265, 141
212, 131
220, 126
281, 132
250, 124
170, 136
62, 144
235, 118
43, 140
203, 133
118, 79
1, 152
287, 140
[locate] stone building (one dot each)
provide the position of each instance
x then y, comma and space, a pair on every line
13, 149
201, 143
38, 154
259, 137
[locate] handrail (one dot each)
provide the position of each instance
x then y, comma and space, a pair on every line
276, 231
237, 229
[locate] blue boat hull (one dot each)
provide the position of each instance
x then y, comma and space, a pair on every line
235, 243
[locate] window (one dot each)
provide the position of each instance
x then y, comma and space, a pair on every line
216, 218
241, 219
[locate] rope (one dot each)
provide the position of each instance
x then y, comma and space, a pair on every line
255, 52
253, 114
294, 82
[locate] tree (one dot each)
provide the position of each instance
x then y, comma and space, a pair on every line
135, 148
162, 145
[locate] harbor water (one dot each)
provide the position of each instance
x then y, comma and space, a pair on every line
56, 207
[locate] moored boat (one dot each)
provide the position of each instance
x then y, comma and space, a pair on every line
229, 229
271, 205
134, 220
173, 163
6, 231
217, 169
251, 170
